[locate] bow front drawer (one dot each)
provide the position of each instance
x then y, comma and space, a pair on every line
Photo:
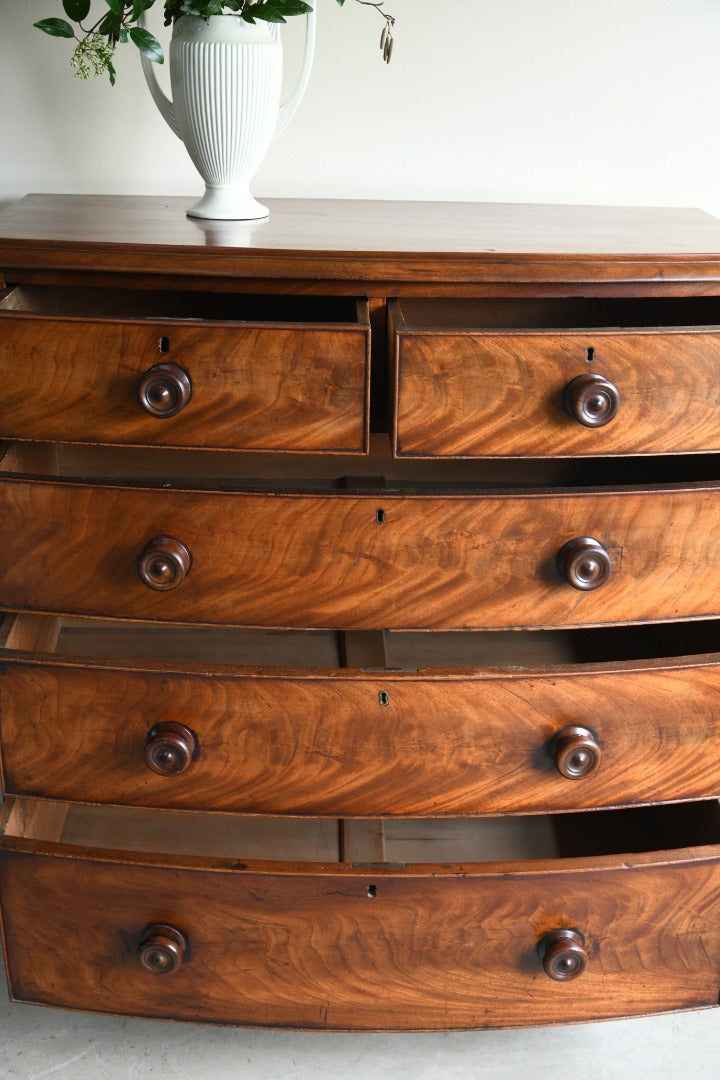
362, 925
574, 377
298, 722
185, 369
228, 552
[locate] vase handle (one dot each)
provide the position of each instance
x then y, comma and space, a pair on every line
164, 104
289, 108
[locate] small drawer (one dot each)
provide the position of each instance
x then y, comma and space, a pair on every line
228, 552
575, 377
318, 723
362, 925
205, 370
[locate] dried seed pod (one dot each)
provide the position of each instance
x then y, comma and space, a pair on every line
383, 39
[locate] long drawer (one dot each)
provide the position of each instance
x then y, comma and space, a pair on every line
576, 377
158, 551
185, 369
371, 925
320, 723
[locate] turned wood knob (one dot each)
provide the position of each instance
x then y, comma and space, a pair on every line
584, 563
164, 563
592, 399
161, 949
164, 390
563, 954
575, 751
170, 748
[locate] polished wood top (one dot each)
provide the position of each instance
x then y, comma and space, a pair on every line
362, 240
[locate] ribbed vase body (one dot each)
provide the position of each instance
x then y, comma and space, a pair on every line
226, 78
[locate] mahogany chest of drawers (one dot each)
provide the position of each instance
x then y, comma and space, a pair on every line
360, 657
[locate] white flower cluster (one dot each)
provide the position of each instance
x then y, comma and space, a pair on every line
93, 56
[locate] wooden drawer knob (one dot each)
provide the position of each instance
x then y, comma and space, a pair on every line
164, 563
170, 748
164, 390
563, 954
584, 563
161, 949
592, 399
575, 751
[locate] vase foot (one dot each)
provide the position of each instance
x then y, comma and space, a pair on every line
228, 204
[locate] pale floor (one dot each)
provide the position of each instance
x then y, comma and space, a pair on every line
37, 1043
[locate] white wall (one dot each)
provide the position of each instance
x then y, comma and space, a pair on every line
509, 100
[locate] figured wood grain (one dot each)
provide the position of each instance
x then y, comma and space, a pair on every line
472, 394
323, 944
301, 388
325, 742
319, 951
324, 561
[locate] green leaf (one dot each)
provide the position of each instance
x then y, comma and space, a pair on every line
116, 6
284, 7
266, 12
147, 43
55, 28
202, 8
77, 10
140, 6
293, 7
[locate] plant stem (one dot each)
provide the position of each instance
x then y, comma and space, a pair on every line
377, 6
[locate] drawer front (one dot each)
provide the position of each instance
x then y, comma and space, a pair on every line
243, 387
465, 394
359, 744
333, 561
328, 951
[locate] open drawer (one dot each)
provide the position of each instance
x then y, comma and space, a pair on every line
164, 545
571, 376
319, 723
185, 369
370, 925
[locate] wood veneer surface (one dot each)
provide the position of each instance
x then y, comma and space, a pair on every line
435, 562
324, 742
439, 946
362, 240
294, 388
322, 952
466, 394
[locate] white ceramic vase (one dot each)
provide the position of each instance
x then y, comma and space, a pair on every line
225, 79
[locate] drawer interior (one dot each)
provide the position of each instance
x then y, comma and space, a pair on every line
172, 305
378, 472
392, 651
367, 650
562, 313
375, 842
